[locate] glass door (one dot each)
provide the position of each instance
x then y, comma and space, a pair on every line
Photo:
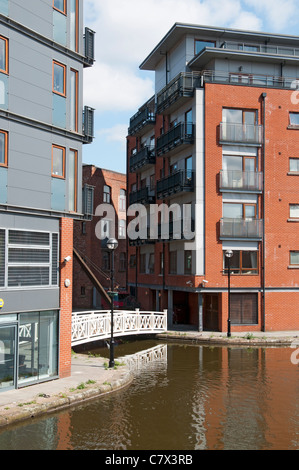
7, 357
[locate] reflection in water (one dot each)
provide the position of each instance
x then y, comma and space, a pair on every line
206, 398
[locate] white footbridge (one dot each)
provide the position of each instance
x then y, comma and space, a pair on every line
96, 325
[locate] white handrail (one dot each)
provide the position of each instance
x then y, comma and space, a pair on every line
96, 325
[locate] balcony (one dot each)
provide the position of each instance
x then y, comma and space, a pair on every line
242, 134
89, 37
88, 125
241, 181
143, 119
181, 181
240, 229
142, 196
179, 89
171, 142
145, 157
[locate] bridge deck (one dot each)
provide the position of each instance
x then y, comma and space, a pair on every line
96, 325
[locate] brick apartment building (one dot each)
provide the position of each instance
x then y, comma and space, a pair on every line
92, 266
43, 126
220, 136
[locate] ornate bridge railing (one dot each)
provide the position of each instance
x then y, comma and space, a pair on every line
96, 325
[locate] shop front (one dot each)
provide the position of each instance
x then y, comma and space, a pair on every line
28, 348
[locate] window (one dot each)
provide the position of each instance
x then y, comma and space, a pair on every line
106, 260
122, 200
3, 55
294, 119
172, 262
3, 148
107, 194
188, 261
122, 228
142, 263
59, 76
32, 258
294, 211
122, 262
239, 116
83, 291
244, 309
201, 45
74, 27
60, 5
239, 210
294, 258
242, 262
132, 261
151, 263
58, 161
161, 262
294, 165
72, 172
74, 100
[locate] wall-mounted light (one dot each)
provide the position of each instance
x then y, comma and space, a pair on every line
67, 259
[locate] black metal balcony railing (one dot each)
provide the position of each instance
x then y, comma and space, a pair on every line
183, 133
88, 201
141, 119
182, 86
145, 156
88, 124
177, 230
181, 181
89, 37
249, 181
142, 196
241, 229
248, 134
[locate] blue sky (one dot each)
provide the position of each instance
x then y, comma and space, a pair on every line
128, 30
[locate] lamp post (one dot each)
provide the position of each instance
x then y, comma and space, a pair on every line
112, 244
228, 255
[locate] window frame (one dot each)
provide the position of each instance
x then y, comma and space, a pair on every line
296, 126
293, 172
202, 41
50, 247
59, 64
5, 163
293, 265
241, 269
5, 71
63, 161
76, 98
290, 216
106, 199
64, 11
75, 152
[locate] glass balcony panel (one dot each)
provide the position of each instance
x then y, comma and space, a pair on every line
240, 228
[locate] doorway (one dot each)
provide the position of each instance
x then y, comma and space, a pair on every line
210, 312
8, 341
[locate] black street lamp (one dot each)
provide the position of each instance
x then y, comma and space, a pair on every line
112, 244
228, 255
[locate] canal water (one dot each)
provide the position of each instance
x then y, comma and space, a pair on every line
191, 398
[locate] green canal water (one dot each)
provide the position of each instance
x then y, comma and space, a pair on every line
194, 398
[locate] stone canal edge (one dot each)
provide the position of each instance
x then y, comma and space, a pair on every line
92, 379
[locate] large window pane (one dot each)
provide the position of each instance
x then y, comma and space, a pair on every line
294, 119
294, 164
72, 180
38, 346
294, 211
3, 148
232, 116
3, 55
58, 160
7, 357
74, 100
200, 45
58, 78
60, 5
74, 25
232, 211
294, 258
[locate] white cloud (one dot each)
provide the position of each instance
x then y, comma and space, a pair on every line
116, 133
278, 14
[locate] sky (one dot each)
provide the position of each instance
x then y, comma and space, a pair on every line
128, 30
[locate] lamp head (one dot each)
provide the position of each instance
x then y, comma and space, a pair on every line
112, 244
229, 253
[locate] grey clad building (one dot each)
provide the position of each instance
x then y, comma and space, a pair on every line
43, 126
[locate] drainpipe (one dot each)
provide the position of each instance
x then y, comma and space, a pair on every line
264, 95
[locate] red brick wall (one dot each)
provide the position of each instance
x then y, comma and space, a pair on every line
66, 272
281, 189
89, 246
